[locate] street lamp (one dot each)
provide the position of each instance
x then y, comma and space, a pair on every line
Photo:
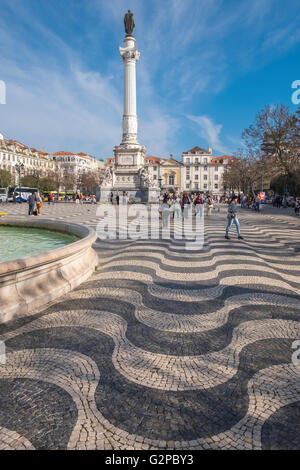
159, 181
19, 168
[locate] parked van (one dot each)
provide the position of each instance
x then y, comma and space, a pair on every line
3, 195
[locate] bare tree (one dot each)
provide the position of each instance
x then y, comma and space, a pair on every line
69, 179
243, 172
275, 135
88, 182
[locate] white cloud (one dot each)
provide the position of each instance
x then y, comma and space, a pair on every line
209, 131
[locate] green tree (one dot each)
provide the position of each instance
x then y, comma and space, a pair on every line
281, 184
47, 184
31, 181
5, 178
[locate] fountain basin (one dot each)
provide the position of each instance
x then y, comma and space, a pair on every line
30, 282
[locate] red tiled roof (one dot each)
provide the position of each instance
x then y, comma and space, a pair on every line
219, 160
63, 153
196, 149
153, 159
81, 154
15, 142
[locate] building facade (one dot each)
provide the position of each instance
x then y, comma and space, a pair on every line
198, 170
36, 161
78, 163
13, 152
204, 172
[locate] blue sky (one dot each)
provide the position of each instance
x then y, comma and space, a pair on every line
206, 68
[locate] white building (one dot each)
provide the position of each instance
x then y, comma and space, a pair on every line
13, 152
38, 161
77, 162
202, 171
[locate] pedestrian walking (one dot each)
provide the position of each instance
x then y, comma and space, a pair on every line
165, 212
209, 205
185, 205
117, 199
31, 203
177, 208
232, 217
257, 203
39, 203
297, 207
198, 202
125, 198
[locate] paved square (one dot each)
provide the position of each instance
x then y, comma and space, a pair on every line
163, 348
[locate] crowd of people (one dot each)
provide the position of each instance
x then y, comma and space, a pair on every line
124, 198
35, 201
176, 206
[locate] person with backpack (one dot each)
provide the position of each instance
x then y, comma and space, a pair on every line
232, 217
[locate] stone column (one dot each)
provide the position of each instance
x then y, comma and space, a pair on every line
130, 55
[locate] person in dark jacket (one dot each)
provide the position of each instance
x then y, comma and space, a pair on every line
31, 203
185, 204
232, 217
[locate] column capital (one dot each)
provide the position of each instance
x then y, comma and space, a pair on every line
129, 54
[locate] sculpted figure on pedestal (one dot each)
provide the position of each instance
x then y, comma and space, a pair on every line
129, 23
146, 177
108, 177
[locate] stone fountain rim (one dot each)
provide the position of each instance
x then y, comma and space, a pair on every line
85, 234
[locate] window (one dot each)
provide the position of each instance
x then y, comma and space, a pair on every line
205, 186
171, 180
187, 186
187, 161
205, 177
216, 177
216, 186
196, 186
216, 168
205, 161
196, 168
196, 160
154, 177
196, 177
205, 168
155, 168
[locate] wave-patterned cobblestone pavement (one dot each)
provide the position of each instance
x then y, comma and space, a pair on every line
163, 348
